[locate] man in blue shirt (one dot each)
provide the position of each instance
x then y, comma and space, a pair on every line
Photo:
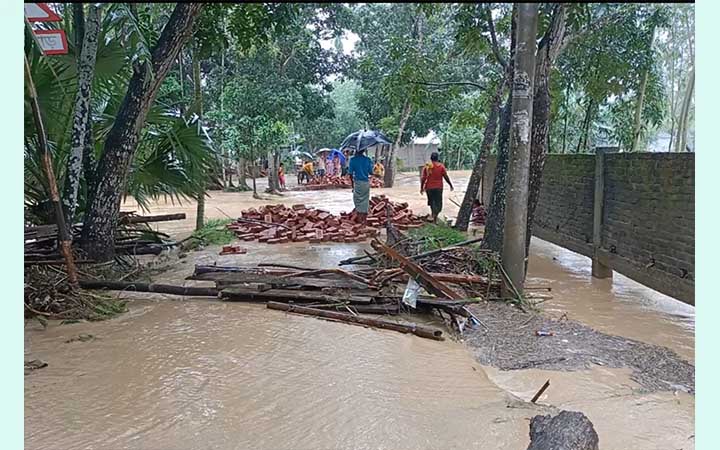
360, 168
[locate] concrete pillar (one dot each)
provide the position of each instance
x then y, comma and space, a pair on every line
599, 270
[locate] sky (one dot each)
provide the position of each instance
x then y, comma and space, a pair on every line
349, 39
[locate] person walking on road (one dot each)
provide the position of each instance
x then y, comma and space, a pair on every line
431, 183
359, 169
281, 176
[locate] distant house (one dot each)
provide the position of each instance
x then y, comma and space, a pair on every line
417, 152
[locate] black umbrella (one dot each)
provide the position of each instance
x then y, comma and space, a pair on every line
366, 138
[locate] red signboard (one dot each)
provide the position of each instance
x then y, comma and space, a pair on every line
40, 12
52, 42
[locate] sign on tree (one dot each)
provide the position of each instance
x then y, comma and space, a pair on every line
40, 12
52, 42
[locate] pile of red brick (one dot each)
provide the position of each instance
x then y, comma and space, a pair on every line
278, 224
335, 182
233, 250
402, 217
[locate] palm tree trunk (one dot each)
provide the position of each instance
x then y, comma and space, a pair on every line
81, 140
463, 218
223, 151
198, 100
98, 236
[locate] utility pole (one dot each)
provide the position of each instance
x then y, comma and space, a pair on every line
513, 252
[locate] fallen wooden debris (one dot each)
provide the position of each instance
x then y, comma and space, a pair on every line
540, 392
423, 278
360, 259
417, 330
381, 308
229, 278
569, 430
243, 294
341, 272
149, 287
128, 219
56, 262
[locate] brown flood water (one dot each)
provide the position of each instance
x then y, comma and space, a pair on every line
192, 373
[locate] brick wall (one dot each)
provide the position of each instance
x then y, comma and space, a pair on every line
648, 224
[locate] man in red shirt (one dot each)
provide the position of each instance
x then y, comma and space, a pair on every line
432, 183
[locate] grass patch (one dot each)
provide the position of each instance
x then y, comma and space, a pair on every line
214, 232
434, 236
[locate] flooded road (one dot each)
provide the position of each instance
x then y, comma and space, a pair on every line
192, 373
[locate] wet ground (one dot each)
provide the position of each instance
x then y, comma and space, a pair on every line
192, 373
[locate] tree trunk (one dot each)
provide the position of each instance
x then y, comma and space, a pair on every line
638, 122
672, 86
81, 141
242, 179
548, 51
495, 220
587, 121
223, 152
681, 139
182, 82
516, 212
99, 227
463, 218
389, 179
198, 100
273, 180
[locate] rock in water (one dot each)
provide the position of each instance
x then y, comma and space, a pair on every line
569, 430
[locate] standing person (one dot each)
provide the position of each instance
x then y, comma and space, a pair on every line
346, 153
281, 176
330, 167
308, 171
379, 169
360, 168
321, 167
338, 166
432, 183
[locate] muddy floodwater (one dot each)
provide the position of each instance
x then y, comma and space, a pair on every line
201, 374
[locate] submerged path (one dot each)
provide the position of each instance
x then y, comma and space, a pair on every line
193, 373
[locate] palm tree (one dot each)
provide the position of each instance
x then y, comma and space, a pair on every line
173, 158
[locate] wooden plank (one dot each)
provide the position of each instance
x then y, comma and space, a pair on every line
277, 281
423, 278
417, 330
252, 295
149, 287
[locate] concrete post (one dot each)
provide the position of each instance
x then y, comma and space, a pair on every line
599, 270
518, 169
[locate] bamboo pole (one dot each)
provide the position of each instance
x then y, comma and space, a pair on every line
65, 239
